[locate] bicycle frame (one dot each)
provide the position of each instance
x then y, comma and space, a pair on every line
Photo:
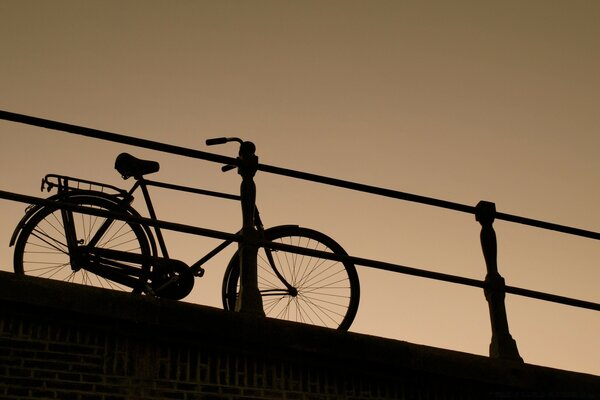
113, 255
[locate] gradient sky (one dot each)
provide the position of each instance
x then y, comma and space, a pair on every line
462, 101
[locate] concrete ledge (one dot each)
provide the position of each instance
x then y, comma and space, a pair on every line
361, 354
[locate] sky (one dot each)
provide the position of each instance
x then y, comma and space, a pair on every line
461, 101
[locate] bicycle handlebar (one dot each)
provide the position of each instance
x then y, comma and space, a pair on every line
246, 148
222, 140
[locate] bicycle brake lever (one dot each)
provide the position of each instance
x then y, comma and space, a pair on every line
226, 168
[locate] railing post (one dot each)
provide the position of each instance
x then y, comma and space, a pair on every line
249, 300
503, 345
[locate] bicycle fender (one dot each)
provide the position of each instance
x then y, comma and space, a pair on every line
30, 211
281, 227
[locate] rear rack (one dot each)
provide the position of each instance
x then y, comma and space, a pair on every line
67, 183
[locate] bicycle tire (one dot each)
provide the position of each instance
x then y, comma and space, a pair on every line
41, 249
328, 291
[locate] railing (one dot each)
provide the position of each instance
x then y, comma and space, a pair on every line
502, 345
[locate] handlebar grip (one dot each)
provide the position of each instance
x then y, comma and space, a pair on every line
212, 142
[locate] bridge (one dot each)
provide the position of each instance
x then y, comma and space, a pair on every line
67, 341
61, 340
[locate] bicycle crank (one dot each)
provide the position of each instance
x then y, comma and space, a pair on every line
171, 279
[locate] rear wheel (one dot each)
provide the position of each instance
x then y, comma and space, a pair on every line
41, 249
325, 292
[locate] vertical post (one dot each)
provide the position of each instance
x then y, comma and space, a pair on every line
503, 345
249, 300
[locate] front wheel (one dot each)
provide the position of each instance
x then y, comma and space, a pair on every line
324, 292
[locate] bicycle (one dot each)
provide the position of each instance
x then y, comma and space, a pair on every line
59, 243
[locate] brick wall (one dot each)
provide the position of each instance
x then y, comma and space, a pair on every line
62, 341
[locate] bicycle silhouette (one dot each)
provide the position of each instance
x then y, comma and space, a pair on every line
62, 244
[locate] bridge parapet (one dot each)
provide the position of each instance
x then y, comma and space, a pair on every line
66, 341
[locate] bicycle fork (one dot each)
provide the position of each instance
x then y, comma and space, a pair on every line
291, 290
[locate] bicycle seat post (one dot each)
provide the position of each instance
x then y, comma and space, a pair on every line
249, 300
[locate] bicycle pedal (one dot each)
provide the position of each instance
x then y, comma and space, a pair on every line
199, 273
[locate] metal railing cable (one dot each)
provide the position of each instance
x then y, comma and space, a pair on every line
439, 276
424, 200
167, 148
116, 137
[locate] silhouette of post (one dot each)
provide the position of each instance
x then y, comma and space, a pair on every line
249, 300
503, 345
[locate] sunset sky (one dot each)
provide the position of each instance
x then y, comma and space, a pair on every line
458, 100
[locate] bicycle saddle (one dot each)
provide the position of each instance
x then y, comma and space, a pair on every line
128, 165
